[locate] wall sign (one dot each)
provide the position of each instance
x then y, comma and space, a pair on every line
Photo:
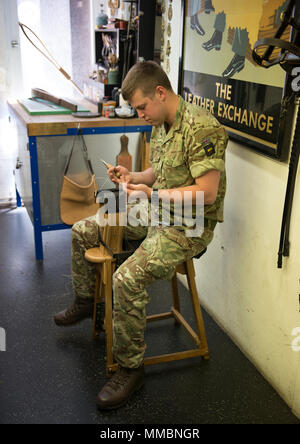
219, 74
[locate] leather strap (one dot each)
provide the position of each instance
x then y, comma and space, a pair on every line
84, 150
274, 43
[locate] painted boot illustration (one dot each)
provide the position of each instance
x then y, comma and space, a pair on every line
195, 25
209, 7
216, 40
236, 65
239, 48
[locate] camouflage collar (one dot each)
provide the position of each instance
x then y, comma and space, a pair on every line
178, 120
179, 114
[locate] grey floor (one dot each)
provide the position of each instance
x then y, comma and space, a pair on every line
52, 375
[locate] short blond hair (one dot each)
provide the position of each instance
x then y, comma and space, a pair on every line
145, 76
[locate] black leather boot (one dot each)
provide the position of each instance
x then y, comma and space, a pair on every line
215, 42
120, 387
236, 65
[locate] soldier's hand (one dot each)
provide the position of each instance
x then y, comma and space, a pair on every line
140, 191
119, 174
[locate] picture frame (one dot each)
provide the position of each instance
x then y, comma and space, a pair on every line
250, 101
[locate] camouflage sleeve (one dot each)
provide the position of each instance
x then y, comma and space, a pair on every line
206, 150
152, 139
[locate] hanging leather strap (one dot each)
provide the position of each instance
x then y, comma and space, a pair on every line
84, 150
286, 47
276, 42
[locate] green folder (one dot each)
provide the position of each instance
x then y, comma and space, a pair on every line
39, 107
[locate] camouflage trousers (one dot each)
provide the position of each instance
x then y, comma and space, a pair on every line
156, 258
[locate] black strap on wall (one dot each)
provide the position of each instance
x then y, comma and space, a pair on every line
289, 58
284, 246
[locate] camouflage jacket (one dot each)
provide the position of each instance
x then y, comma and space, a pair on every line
194, 145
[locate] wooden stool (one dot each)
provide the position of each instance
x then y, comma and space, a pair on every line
106, 266
112, 235
186, 268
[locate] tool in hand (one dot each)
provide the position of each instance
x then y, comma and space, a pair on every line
108, 165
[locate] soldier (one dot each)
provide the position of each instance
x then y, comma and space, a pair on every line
187, 155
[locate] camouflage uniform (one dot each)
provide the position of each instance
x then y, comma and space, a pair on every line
85, 235
177, 158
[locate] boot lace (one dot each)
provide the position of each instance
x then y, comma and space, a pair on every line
73, 309
76, 306
119, 379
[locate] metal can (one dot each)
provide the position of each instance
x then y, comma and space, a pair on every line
110, 111
106, 108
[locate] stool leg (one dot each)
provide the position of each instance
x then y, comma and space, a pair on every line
108, 318
97, 292
196, 307
98, 304
175, 296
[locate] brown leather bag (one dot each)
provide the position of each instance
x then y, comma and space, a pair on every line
78, 194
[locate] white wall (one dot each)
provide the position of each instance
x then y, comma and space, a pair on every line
10, 78
174, 41
238, 280
24, 67
50, 20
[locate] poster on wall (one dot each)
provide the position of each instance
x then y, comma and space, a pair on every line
218, 71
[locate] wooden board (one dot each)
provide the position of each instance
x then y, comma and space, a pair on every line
40, 107
124, 158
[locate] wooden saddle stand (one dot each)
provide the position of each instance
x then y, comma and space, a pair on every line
107, 261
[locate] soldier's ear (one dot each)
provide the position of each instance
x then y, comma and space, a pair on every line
161, 93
